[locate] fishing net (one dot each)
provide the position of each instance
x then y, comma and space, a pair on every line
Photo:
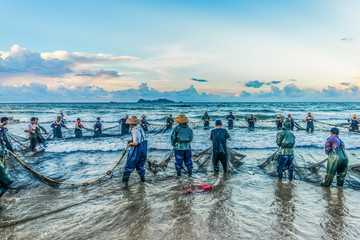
312, 172
309, 172
203, 160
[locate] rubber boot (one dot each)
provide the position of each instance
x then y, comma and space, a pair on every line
142, 178
291, 176
190, 173
179, 173
125, 179
279, 175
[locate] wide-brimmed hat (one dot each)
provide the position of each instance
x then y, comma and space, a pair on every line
143, 116
133, 120
181, 119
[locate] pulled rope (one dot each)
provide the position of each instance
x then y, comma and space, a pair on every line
64, 183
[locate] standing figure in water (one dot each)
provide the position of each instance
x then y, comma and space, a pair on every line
98, 128
30, 129
181, 137
137, 152
4, 141
309, 122
230, 119
62, 118
218, 137
354, 124
125, 128
206, 120
38, 130
144, 123
291, 122
286, 141
78, 128
169, 122
279, 122
5, 179
251, 121
337, 161
56, 126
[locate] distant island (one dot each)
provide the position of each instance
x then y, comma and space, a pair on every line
160, 100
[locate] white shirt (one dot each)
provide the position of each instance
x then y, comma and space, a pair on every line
138, 134
30, 127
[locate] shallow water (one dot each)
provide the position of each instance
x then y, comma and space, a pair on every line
247, 203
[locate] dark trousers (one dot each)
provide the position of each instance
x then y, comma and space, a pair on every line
310, 127
230, 124
206, 124
220, 157
285, 162
8, 145
33, 141
98, 133
183, 156
57, 133
136, 159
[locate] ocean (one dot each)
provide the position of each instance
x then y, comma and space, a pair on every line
246, 203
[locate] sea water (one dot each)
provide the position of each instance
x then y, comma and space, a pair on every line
245, 204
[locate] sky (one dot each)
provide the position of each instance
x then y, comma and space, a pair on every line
279, 50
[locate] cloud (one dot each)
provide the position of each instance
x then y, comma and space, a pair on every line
56, 64
35, 92
345, 84
254, 84
258, 84
292, 80
199, 80
347, 39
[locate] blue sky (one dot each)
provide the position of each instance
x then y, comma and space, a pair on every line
241, 50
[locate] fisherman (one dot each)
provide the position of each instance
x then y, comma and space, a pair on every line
251, 121
62, 117
169, 122
5, 178
286, 141
181, 137
279, 122
338, 161
38, 130
291, 122
125, 128
206, 120
218, 137
138, 150
98, 128
56, 126
230, 119
309, 123
4, 141
30, 129
144, 123
79, 127
354, 124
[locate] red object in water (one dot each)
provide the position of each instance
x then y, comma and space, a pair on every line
197, 188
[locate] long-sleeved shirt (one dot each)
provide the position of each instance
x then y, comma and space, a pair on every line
138, 134
97, 125
58, 124
41, 127
181, 137
230, 118
3, 137
332, 143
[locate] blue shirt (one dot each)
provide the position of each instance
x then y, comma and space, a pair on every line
97, 125
230, 117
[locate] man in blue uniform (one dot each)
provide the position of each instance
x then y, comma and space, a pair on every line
56, 126
354, 124
4, 141
137, 152
206, 120
218, 137
230, 119
144, 123
251, 121
98, 128
125, 128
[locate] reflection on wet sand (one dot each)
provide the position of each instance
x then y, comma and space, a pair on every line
284, 209
336, 213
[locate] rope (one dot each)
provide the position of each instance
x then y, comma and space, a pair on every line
64, 183
162, 164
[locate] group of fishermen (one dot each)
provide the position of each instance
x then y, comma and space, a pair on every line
181, 138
